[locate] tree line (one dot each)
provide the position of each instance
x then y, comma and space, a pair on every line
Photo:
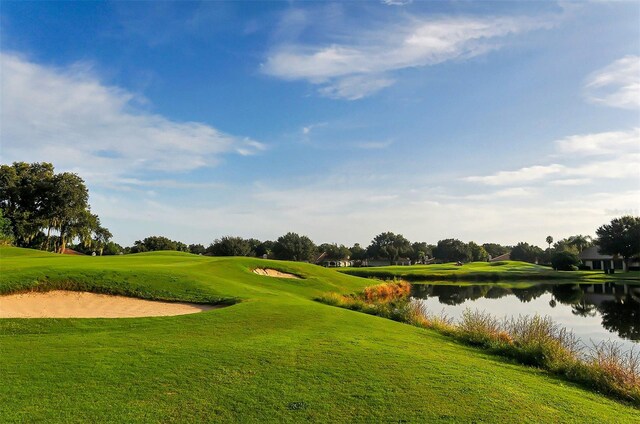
46, 210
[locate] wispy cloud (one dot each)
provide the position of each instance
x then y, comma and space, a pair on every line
396, 2
358, 65
605, 143
617, 85
523, 175
621, 148
306, 130
69, 117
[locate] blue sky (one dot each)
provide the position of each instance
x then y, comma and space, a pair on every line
494, 122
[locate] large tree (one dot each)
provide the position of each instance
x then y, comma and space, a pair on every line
101, 237
230, 246
495, 249
421, 251
154, 243
70, 214
294, 247
46, 210
620, 237
389, 246
453, 250
6, 232
358, 253
526, 252
25, 198
478, 253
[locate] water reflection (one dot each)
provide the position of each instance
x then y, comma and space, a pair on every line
593, 311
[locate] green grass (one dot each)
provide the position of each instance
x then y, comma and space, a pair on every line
274, 356
484, 271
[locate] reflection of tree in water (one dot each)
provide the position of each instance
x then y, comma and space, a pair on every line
497, 292
622, 317
567, 294
530, 293
421, 291
452, 295
583, 309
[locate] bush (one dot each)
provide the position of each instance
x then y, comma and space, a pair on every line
565, 261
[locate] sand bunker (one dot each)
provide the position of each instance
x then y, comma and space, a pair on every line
70, 304
274, 273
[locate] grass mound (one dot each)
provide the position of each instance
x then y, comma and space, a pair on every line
531, 340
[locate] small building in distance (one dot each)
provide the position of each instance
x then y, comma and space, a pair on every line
595, 260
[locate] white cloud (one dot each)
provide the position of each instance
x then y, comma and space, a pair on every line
396, 2
69, 117
620, 148
617, 85
605, 143
507, 193
571, 182
357, 67
523, 175
354, 88
309, 128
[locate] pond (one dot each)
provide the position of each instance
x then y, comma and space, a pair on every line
594, 312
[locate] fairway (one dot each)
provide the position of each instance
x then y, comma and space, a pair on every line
273, 355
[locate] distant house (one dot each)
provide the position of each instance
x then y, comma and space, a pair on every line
504, 257
337, 263
595, 260
332, 262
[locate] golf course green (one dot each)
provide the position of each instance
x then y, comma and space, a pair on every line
274, 355
485, 271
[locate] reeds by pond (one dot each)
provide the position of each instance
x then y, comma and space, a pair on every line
530, 340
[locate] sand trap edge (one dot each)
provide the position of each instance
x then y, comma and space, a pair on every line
270, 272
82, 304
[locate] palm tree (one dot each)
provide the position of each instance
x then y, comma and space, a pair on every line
549, 241
580, 242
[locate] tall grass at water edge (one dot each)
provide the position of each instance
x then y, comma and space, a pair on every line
531, 340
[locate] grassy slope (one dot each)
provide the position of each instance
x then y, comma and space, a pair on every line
505, 270
276, 356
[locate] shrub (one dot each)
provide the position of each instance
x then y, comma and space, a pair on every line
565, 261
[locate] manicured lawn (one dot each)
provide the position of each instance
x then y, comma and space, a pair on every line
275, 356
485, 271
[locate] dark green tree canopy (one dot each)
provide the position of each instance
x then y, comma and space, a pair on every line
526, 253
48, 210
495, 249
197, 249
389, 246
358, 253
293, 247
478, 253
421, 251
155, 243
565, 261
620, 237
230, 246
453, 250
